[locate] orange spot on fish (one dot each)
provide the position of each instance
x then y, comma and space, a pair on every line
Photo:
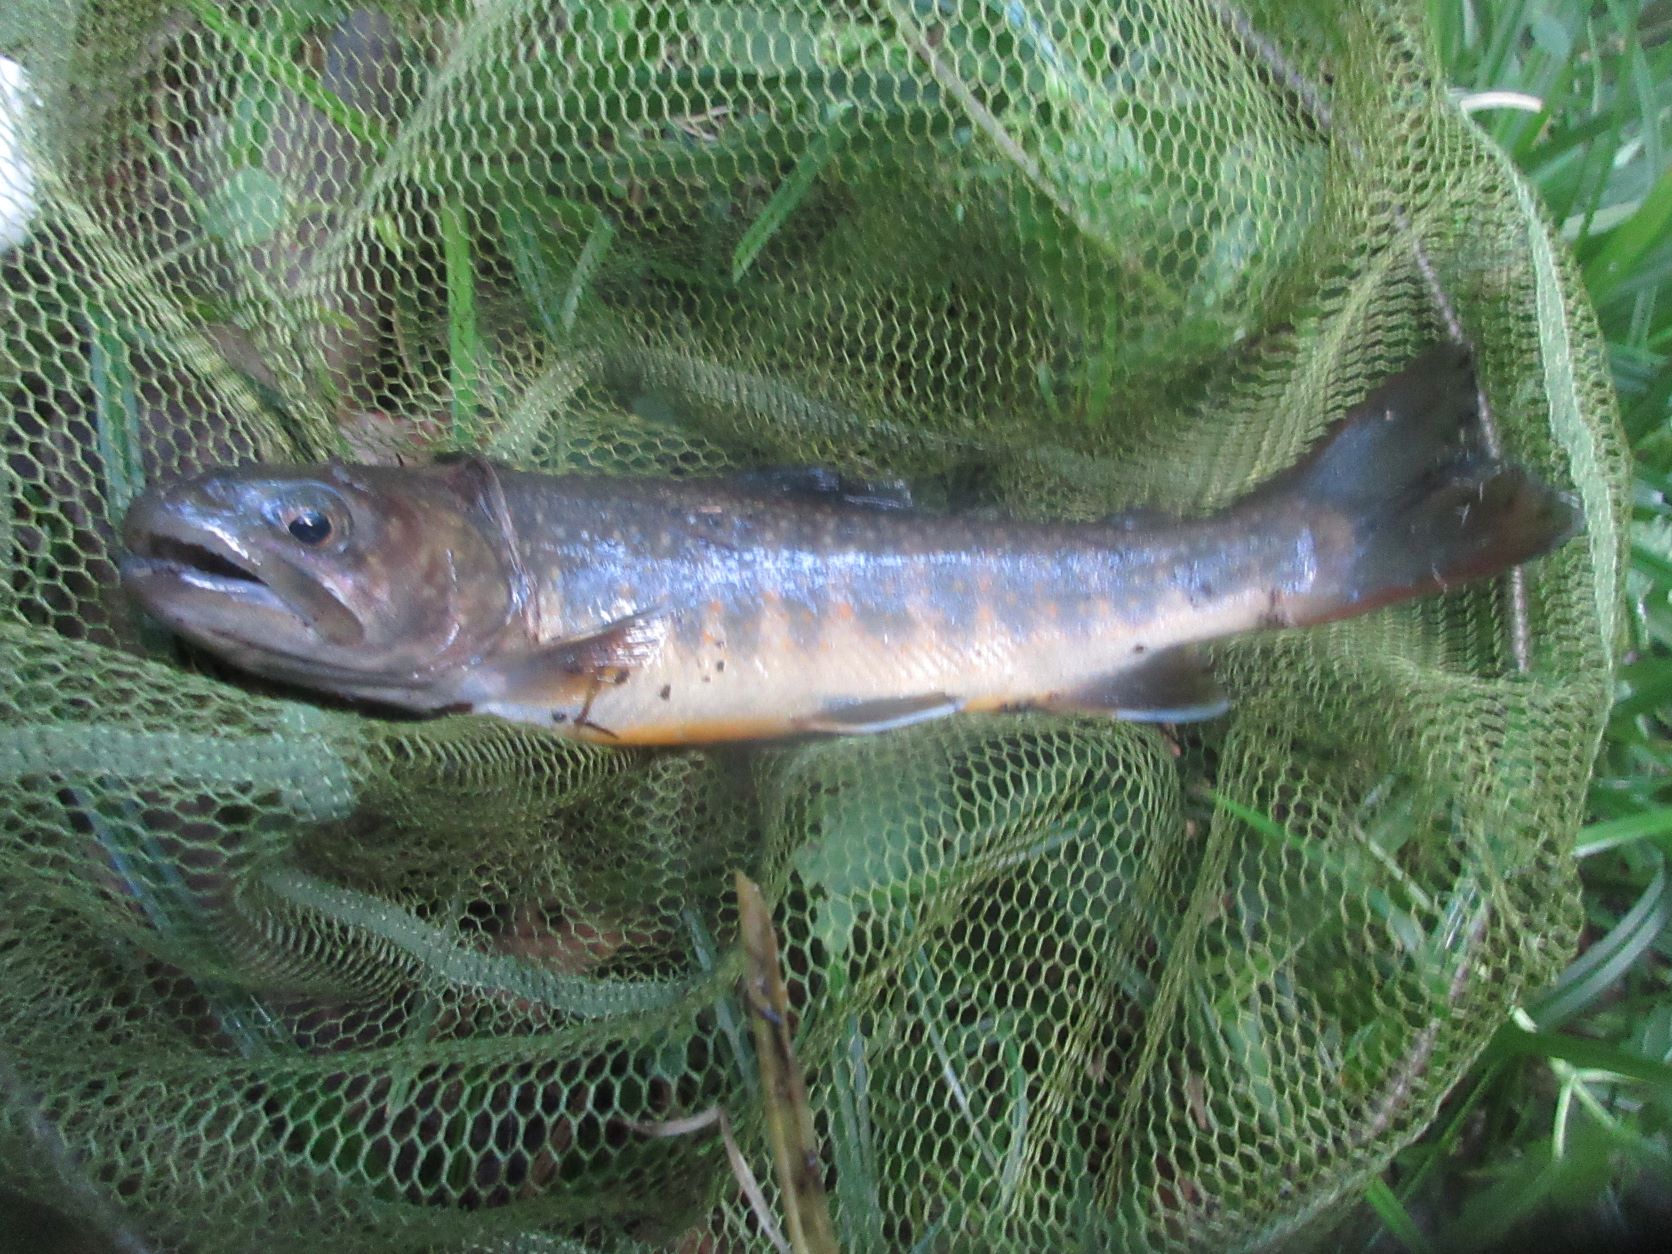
774, 631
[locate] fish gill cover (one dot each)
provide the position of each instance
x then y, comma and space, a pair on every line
278, 971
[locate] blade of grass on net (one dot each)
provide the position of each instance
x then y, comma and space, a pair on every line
853, 1145
790, 193
1364, 867
445, 957
463, 339
519, 228
702, 942
555, 302
115, 412
10, 496
277, 62
177, 916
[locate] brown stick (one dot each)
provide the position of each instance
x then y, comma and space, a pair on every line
789, 1115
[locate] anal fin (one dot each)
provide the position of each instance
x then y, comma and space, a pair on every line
1173, 686
852, 718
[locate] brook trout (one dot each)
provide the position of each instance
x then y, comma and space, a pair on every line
643, 611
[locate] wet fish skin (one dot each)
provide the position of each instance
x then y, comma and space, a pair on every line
638, 611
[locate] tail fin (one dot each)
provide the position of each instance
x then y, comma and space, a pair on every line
1405, 506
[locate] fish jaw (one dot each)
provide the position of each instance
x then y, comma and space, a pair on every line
192, 573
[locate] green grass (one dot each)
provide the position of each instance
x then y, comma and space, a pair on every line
1560, 1134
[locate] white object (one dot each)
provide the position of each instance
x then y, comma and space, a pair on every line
17, 179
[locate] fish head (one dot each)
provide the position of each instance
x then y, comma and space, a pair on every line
372, 582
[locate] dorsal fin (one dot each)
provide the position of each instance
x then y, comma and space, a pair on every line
1141, 518
822, 483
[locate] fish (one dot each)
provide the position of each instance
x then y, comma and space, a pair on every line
766, 605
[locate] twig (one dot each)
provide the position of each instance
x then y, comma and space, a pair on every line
789, 1115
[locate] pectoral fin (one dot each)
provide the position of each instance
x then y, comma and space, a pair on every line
624, 644
563, 672
852, 718
1173, 686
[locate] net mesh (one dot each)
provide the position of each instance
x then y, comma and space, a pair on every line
278, 971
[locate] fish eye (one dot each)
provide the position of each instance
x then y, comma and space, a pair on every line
309, 527
311, 514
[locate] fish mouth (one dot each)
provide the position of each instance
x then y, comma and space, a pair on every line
198, 581
195, 563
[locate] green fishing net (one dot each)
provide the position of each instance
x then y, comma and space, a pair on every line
280, 973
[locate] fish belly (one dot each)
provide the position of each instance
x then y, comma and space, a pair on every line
850, 675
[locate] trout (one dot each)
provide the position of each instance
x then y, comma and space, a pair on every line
654, 612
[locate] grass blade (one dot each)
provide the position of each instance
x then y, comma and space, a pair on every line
1591, 975
446, 957
853, 1146
1395, 1217
1655, 825
791, 192
592, 254
1513, 1040
115, 413
463, 337
259, 50
1623, 249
